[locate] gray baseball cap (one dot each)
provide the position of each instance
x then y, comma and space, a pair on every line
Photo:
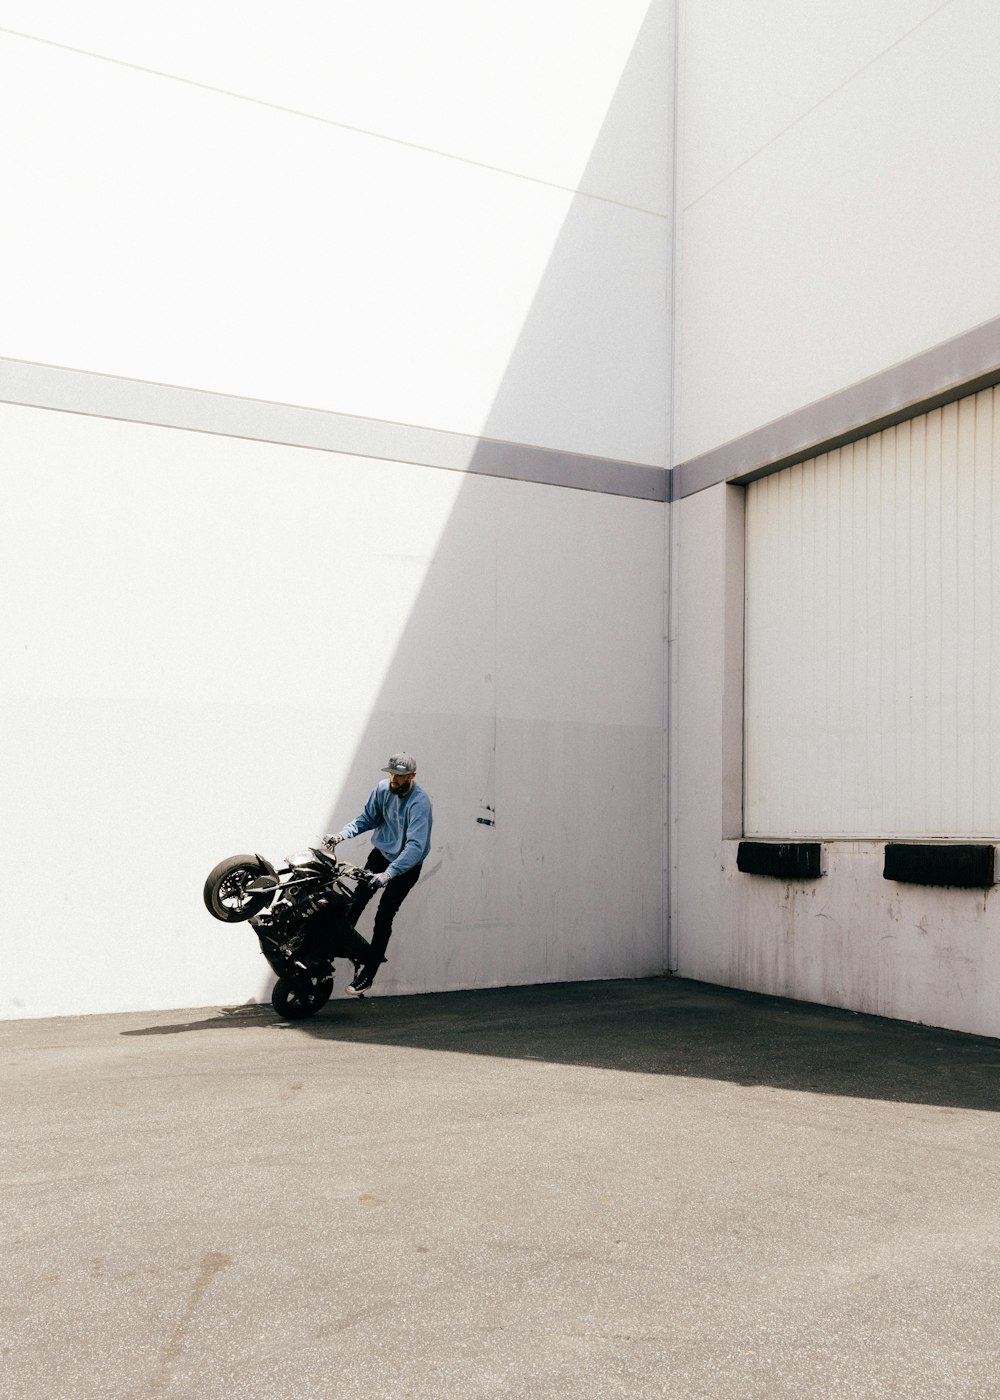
401, 763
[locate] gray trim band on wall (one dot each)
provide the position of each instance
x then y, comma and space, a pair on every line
198, 410
930, 380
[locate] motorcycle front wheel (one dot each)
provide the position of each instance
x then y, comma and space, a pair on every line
294, 1005
227, 893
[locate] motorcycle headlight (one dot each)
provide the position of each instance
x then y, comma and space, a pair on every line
301, 858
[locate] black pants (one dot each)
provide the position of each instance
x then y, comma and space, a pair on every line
392, 897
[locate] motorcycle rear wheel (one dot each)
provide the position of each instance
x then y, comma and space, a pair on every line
292, 1005
226, 894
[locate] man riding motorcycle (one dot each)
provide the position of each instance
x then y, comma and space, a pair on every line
399, 815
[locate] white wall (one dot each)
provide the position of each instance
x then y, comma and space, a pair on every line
836, 216
849, 939
856, 940
453, 218
451, 215
837, 210
216, 644
705, 718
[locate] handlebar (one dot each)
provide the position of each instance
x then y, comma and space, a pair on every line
356, 872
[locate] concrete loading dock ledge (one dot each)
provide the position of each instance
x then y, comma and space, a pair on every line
629, 1189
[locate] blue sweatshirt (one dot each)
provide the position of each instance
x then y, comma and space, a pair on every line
401, 826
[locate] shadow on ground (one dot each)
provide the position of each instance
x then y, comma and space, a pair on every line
665, 1026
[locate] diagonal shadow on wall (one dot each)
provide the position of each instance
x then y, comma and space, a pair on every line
528, 679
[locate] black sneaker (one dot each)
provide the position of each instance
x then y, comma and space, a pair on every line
360, 984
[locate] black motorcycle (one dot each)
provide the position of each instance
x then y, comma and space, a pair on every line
299, 914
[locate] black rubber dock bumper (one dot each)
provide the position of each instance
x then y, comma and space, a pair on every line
971, 867
782, 860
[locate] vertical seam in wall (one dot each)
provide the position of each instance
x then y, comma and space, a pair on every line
670, 538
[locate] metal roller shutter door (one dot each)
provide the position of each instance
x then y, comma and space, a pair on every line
872, 704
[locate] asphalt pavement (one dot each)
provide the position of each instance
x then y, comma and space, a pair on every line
616, 1191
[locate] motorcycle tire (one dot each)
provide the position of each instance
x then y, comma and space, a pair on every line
290, 1004
226, 895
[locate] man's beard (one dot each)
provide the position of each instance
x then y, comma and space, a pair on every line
401, 792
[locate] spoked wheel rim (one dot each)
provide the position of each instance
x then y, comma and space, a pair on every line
239, 888
233, 890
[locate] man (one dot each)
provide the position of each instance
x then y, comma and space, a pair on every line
398, 813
